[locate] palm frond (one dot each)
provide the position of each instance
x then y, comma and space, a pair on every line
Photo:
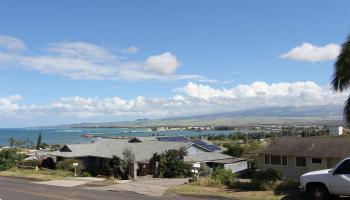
341, 75
346, 112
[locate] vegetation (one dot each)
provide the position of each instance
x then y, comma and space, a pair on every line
172, 164
67, 165
20, 143
29, 163
152, 163
266, 180
224, 176
128, 157
42, 174
205, 171
48, 163
341, 75
234, 150
223, 193
9, 158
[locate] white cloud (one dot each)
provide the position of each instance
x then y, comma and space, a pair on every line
8, 105
11, 43
190, 100
131, 50
165, 63
313, 53
86, 61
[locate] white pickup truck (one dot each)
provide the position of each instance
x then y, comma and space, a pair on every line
321, 184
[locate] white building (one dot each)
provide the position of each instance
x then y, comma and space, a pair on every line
336, 130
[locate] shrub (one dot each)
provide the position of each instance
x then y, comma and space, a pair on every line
234, 150
152, 164
9, 158
172, 164
30, 163
67, 165
288, 185
86, 174
266, 180
224, 176
48, 163
208, 182
205, 171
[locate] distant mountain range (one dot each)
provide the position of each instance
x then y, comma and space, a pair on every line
313, 115
312, 111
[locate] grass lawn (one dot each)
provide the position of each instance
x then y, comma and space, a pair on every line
194, 190
40, 175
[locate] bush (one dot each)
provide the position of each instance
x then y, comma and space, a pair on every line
9, 158
226, 177
172, 164
152, 165
208, 182
30, 163
67, 165
234, 150
48, 163
205, 171
266, 180
288, 185
86, 174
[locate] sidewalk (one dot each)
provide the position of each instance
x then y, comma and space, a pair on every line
70, 182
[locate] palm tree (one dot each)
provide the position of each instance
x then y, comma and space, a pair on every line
341, 76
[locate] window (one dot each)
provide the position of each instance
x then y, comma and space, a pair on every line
300, 161
343, 168
284, 160
267, 159
275, 160
316, 160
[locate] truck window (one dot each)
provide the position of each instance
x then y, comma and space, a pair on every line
343, 168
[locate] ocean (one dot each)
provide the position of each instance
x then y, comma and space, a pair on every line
75, 135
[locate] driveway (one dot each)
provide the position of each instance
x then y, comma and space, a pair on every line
146, 186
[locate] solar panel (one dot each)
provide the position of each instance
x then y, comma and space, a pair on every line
173, 139
210, 147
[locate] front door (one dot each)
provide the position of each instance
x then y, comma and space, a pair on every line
341, 179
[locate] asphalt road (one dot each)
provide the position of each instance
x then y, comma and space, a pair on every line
23, 189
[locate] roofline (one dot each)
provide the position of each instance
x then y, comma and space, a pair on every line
277, 154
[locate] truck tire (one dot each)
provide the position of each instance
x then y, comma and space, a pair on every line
318, 191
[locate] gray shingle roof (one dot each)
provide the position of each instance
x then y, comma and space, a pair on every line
327, 147
107, 148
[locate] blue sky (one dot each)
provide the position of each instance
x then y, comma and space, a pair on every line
179, 49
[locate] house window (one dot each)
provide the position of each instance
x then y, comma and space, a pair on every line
275, 160
300, 161
267, 159
316, 160
284, 160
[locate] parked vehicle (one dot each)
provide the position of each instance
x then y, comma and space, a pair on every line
320, 185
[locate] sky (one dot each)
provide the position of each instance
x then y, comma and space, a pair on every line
95, 61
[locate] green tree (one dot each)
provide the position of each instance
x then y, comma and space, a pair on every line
9, 158
172, 164
234, 150
38, 143
12, 141
341, 75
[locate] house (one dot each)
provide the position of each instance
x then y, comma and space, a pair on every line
218, 160
94, 154
335, 130
295, 156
